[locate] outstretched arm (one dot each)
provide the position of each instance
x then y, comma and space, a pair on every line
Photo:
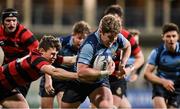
58, 73
68, 60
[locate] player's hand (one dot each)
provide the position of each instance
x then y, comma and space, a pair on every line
48, 87
133, 77
111, 67
121, 73
168, 84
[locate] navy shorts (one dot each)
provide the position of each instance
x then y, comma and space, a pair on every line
58, 85
118, 86
78, 91
172, 98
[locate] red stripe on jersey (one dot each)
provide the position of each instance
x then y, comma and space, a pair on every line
39, 63
5, 83
16, 76
16, 43
132, 41
31, 72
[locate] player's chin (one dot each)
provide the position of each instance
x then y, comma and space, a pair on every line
52, 61
11, 30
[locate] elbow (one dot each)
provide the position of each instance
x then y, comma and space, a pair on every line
80, 75
145, 76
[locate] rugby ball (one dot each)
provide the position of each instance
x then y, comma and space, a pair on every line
1, 56
101, 62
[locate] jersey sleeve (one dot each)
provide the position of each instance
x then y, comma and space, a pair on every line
152, 57
122, 40
86, 54
29, 39
39, 62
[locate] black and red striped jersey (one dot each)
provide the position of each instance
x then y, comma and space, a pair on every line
135, 48
17, 44
21, 71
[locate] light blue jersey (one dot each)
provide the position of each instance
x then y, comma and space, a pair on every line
93, 46
168, 63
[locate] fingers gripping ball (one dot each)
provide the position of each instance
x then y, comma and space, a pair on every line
1, 56
101, 62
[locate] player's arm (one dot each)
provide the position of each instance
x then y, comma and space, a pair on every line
48, 84
86, 73
68, 60
149, 75
126, 53
58, 73
139, 60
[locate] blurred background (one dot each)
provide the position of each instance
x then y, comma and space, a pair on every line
57, 17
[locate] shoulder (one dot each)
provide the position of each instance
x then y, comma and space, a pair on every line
23, 31
125, 33
91, 39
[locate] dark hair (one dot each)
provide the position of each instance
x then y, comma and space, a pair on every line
110, 24
81, 27
114, 9
9, 12
48, 41
170, 27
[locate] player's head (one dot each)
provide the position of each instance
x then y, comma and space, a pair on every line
9, 18
170, 34
170, 27
115, 10
109, 28
80, 31
49, 46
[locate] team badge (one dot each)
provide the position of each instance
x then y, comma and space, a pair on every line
119, 91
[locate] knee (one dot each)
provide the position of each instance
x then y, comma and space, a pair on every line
106, 104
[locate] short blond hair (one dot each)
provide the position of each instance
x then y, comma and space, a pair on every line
110, 24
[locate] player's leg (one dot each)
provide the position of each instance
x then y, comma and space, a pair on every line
159, 102
121, 102
159, 95
59, 98
102, 97
16, 100
118, 89
73, 95
47, 102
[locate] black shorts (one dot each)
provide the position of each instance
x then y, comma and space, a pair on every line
6, 94
78, 91
24, 89
172, 98
118, 86
58, 85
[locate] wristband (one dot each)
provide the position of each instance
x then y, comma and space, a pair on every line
104, 73
132, 67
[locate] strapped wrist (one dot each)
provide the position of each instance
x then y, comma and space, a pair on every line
104, 73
